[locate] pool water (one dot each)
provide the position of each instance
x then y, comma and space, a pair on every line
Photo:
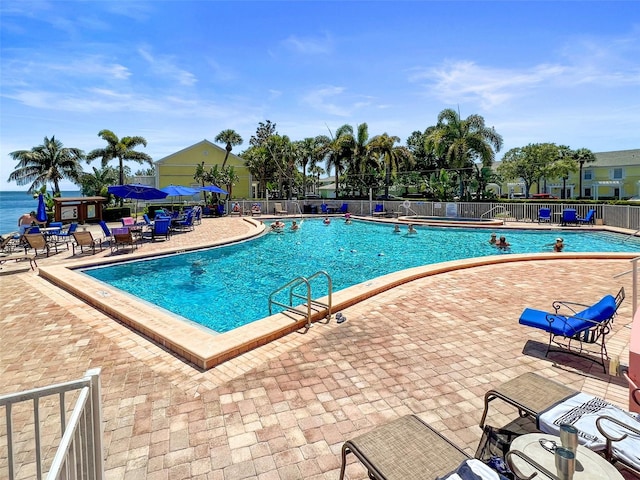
226, 287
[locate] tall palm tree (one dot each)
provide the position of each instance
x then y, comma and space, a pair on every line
463, 142
340, 151
49, 162
231, 139
582, 156
120, 148
390, 156
96, 183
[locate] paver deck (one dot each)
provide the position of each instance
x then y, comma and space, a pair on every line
432, 347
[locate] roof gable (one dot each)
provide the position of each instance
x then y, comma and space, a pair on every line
204, 144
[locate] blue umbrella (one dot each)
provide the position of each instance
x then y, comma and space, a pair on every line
214, 189
179, 190
138, 192
41, 213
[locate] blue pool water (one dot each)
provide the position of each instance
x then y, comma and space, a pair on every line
223, 288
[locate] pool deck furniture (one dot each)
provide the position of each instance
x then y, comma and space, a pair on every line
532, 395
85, 239
574, 327
569, 216
278, 210
37, 241
18, 257
378, 210
589, 219
404, 449
123, 237
544, 215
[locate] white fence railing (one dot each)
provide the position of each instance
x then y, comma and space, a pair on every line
79, 453
623, 216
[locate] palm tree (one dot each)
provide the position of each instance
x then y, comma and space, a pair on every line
391, 157
96, 183
582, 156
463, 142
231, 139
49, 162
340, 151
120, 148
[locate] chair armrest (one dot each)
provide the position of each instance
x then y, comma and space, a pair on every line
530, 461
558, 304
609, 437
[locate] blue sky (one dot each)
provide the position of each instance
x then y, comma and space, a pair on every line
176, 72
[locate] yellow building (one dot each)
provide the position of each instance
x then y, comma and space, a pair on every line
180, 167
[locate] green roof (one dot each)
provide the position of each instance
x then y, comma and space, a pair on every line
619, 158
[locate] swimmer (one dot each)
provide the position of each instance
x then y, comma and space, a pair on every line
502, 243
410, 229
277, 226
326, 221
294, 226
493, 240
396, 228
347, 221
559, 245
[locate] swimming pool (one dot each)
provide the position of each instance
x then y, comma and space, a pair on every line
226, 287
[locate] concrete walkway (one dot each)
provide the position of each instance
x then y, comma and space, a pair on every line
432, 347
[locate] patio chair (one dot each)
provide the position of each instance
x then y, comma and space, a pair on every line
37, 241
161, 227
128, 222
85, 239
66, 235
186, 224
256, 209
278, 210
106, 231
574, 327
324, 208
197, 215
601, 425
18, 256
589, 219
378, 210
569, 216
544, 215
7, 244
406, 448
122, 237
344, 208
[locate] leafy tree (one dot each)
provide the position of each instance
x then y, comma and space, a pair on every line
315, 172
561, 167
50, 162
146, 172
528, 163
229, 178
257, 162
98, 182
340, 151
231, 139
463, 142
263, 132
483, 176
121, 149
390, 156
442, 185
309, 152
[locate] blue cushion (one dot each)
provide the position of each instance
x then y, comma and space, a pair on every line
569, 326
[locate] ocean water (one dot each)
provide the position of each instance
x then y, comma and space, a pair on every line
14, 204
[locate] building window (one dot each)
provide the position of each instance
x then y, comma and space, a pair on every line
588, 175
587, 192
617, 173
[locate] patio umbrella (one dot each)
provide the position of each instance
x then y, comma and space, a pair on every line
214, 189
138, 192
179, 190
41, 212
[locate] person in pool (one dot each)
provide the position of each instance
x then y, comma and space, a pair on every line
502, 243
396, 228
492, 239
294, 226
411, 230
326, 221
559, 245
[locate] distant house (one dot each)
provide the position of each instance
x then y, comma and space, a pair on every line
180, 167
613, 176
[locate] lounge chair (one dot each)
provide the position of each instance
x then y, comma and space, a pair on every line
121, 238
66, 235
7, 244
236, 209
256, 209
324, 208
197, 215
573, 327
569, 216
406, 448
186, 224
37, 241
589, 219
278, 210
378, 210
550, 403
344, 208
5, 257
544, 215
85, 239
106, 231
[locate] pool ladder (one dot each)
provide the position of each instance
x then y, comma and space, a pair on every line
310, 303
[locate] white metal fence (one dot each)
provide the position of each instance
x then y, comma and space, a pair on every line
31, 433
623, 216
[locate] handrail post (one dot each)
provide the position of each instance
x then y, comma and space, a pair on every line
96, 412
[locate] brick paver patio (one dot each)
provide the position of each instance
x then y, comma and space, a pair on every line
431, 347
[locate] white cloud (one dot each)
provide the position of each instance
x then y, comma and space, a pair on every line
165, 66
309, 46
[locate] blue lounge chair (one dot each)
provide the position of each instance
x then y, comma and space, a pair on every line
67, 234
324, 208
589, 219
544, 215
378, 210
106, 231
186, 224
574, 323
569, 216
344, 208
161, 228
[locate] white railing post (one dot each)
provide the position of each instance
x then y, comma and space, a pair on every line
96, 411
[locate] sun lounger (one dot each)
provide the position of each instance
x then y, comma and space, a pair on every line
278, 210
406, 448
574, 327
18, 257
550, 403
85, 239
